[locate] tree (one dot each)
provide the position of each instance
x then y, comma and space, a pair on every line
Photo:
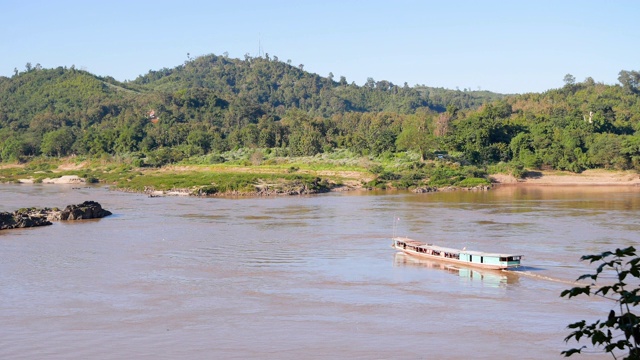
370, 84
605, 151
129, 138
305, 141
589, 81
569, 80
619, 334
630, 80
631, 149
483, 137
417, 135
12, 149
58, 142
520, 144
201, 139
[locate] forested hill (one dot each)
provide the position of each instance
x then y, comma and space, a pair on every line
213, 104
42, 110
276, 85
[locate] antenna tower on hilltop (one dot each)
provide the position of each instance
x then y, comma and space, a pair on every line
260, 51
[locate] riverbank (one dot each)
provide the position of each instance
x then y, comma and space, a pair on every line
596, 177
195, 180
297, 177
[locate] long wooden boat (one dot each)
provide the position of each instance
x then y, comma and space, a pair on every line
463, 257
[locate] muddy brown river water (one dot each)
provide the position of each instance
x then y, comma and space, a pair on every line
302, 277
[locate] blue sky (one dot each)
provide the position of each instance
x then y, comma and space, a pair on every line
503, 46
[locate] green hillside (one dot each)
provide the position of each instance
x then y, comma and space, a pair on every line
214, 104
276, 85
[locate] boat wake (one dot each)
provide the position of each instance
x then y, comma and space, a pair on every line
529, 272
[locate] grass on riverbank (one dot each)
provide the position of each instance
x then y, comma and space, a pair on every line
211, 183
251, 171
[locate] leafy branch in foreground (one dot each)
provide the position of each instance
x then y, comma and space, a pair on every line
619, 333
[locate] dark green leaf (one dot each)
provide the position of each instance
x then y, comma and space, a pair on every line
570, 352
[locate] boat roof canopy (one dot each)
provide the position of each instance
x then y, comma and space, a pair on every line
451, 250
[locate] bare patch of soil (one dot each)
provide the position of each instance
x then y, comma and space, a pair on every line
587, 177
72, 166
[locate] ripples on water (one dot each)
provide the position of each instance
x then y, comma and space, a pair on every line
301, 277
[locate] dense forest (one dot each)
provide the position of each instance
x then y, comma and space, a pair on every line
212, 104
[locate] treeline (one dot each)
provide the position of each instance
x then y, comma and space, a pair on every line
212, 104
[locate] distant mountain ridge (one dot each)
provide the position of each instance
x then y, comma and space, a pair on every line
264, 81
275, 83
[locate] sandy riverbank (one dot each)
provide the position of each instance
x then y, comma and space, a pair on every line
355, 179
66, 179
587, 177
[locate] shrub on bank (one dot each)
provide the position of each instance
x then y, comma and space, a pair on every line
473, 182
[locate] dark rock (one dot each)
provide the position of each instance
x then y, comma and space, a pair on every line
426, 189
23, 218
479, 188
86, 210
32, 217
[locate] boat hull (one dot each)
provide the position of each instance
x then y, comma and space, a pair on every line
466, 258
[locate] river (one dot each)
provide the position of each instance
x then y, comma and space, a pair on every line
302, 277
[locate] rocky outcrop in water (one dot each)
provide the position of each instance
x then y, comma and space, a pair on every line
24, 218
86, 210
428, 189
32, 217
424, 189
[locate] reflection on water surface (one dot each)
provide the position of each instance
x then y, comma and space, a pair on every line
486, 277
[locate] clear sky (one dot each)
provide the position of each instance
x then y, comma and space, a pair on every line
510, 46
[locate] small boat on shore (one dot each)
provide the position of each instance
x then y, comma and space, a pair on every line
464, 257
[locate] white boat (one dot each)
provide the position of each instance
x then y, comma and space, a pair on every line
464, 257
